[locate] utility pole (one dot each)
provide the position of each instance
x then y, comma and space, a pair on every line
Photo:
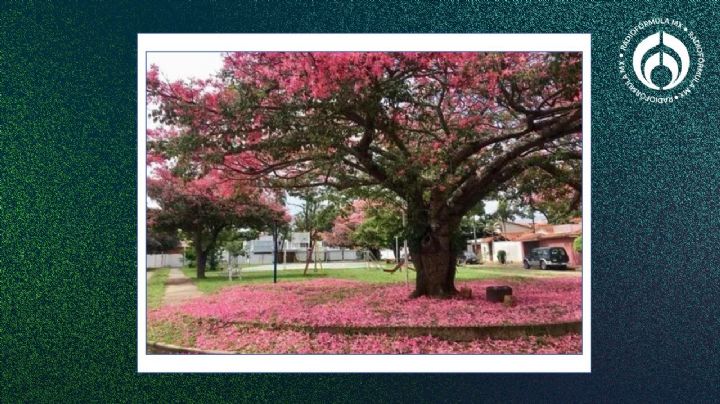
397, 250
474, 244
275, 250
405, 247
285, 243
184, 245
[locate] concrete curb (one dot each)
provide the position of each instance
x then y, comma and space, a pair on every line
448, 333
455, 334
160, 348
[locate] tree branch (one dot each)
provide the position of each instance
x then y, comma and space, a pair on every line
474, 189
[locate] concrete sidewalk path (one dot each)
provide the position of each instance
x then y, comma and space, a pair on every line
179, 288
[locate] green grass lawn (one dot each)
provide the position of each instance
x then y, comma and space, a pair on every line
216, 280
156, 287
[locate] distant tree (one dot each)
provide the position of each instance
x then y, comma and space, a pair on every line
370, 224
318, 211
233, 241
236, 248
345, 224
161, 242
382, 223
214, 258
191, 256
506, 211
476, 223
203, 207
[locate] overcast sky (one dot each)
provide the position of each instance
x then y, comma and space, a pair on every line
185, 65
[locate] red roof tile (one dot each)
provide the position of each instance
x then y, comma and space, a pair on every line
547, 236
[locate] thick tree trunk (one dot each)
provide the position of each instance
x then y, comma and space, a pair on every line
201, 262
435, 263
202, 253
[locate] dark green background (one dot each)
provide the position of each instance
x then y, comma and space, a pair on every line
68, 205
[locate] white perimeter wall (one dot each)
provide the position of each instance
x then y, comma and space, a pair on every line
258, 259
513, 249
164, 260
329, 255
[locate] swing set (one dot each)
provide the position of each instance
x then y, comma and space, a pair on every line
312, 254
403, 260
399, 266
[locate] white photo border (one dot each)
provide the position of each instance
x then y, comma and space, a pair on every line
362, 363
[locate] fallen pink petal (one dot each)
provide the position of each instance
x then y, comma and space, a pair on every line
250, 318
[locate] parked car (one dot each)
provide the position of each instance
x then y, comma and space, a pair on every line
546, 257
468, 257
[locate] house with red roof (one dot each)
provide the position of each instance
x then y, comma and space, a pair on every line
521, 238
559, 235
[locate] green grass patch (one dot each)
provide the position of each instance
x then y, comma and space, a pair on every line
156, 287
490, 272
216, 280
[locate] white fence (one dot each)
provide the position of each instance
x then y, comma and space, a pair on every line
341, 255
301, 256
176, 260
329, 255
259, 259
164, 260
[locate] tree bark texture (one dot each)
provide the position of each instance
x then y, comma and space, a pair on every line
432, 252
201, 262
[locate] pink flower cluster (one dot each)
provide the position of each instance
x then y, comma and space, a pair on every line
231, 338
330, 302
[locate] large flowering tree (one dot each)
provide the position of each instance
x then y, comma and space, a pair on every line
203, 207
439, 130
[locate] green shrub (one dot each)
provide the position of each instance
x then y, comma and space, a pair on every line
190, 257
502, 256
577, 244
214, 258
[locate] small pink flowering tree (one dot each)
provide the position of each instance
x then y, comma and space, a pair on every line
345, 225
203, 207
370, 224
441, 131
